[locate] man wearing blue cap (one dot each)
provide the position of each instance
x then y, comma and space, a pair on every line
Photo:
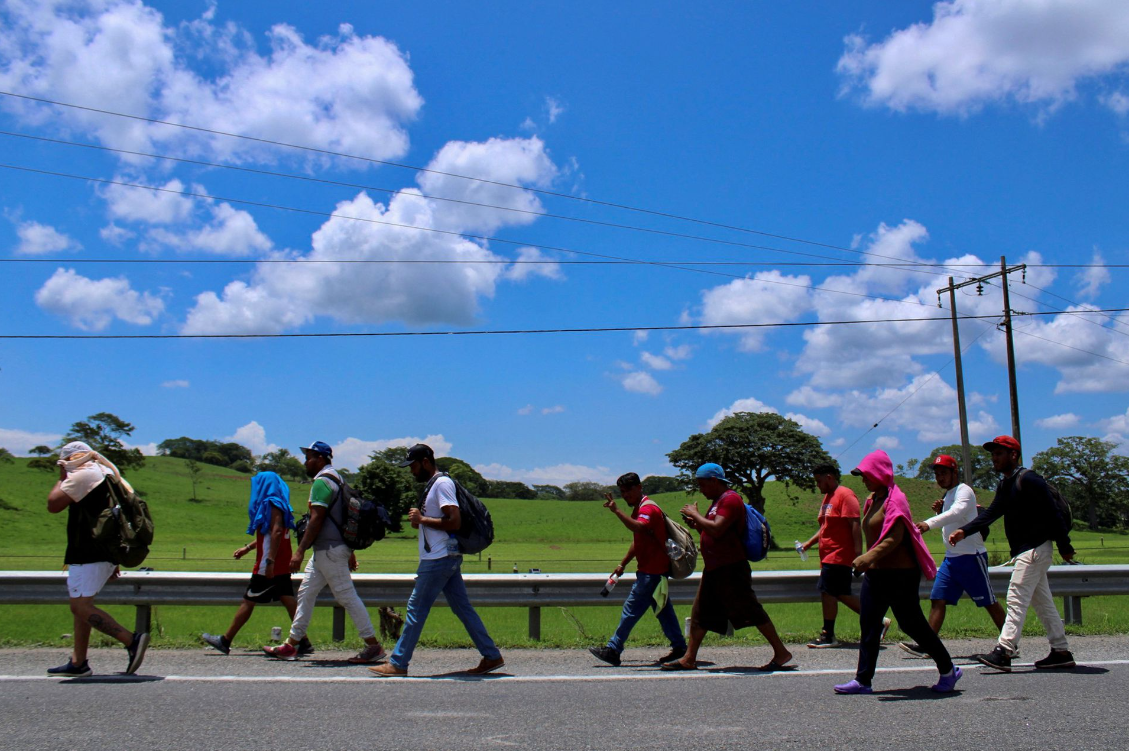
725, 594
330, 564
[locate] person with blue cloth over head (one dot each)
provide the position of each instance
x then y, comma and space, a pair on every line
271, 522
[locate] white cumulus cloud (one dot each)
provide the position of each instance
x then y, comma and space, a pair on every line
767, 297
655, 362
1091, 280
641, 382
40, 239
976, 52
1059, 422
351, 453
21, 442
177, 384
557, 474
92, 304
254, 436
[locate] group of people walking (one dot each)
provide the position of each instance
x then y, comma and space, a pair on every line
892, 565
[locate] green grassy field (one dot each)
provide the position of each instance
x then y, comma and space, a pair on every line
554, 536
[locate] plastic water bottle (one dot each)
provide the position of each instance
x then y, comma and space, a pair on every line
673, 551
800, 549
609, 586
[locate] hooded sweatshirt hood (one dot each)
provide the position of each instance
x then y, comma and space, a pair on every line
267, 490
878, 467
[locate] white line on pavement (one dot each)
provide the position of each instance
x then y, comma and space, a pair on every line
648, 675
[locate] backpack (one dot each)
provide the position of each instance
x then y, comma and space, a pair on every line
366, 521
681, 549
124, 528
1061, 505
757, 534
476, 530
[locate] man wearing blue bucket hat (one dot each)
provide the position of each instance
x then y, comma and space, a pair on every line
725, 594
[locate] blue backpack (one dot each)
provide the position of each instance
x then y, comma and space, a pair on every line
757, 535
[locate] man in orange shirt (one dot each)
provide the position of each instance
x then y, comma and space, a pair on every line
839, 538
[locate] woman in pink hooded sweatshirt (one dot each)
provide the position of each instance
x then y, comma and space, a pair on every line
895, 560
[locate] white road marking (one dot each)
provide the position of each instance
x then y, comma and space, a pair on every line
703, 674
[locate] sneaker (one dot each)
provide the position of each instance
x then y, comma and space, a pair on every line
673, 655
947, 683
284, 651
388, 670
370, 655
1057, 659
136, 652
485, 666
853, 687
997, 659
885, 628
824, 641
70, 670
217, 642
305, 647
608, 655
914, 649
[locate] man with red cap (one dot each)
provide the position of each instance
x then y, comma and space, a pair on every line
1032, 520
965, 568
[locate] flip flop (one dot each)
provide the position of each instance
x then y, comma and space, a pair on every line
676, 665
773, 667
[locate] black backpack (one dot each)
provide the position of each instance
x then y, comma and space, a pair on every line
1060, 503
366, 521
476, 530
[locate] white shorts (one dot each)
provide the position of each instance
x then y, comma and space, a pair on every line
87, 579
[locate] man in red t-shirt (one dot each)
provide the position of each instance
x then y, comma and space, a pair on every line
648, 547
725, 594
839, 538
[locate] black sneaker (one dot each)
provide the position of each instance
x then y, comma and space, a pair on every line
673, 655
1057, 659
305, 647
997, 659
914, 649
136, 651
70, 670
824, 641
217, 642
605, 654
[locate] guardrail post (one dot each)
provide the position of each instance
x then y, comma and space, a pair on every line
338, 623
1072, 610
143, 622
535, 623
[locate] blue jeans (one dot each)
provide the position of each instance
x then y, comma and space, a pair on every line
637, 603
432, 577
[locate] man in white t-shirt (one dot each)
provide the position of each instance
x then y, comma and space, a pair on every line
440, 569
965, 568
82, 490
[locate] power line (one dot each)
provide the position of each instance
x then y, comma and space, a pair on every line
1068, 346
486, 238
496, 332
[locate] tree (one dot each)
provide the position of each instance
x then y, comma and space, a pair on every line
467, 475
193, 474
5, 456
752, 447
655, 484
510, 489
41, 450
1090, 476
983, 476
103, 433
210, 452
584, 491
214, 458
384, 482
549, 492
282, 462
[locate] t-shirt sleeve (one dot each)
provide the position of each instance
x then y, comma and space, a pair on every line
847, 505
652, 516
445, 492
321, 494
731, 506
80, 482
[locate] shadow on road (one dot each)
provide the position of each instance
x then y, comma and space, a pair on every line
917, 693
113, 679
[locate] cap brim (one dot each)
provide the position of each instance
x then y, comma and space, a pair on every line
988, 446
856, 472
405, 463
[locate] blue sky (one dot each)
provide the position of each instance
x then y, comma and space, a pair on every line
947, 134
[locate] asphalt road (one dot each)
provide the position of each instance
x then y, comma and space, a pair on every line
562, 699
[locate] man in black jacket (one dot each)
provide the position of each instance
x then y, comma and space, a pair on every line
1032, 520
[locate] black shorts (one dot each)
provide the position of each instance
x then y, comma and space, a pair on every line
268, 588
726, 596
835, 580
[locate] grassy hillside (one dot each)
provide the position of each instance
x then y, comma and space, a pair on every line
550, 535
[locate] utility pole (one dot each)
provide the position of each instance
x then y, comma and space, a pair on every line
1013, 392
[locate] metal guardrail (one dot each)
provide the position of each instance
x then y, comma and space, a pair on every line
144, 589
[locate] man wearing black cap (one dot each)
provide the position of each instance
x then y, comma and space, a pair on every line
440, 569
330, 564
1032, 520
